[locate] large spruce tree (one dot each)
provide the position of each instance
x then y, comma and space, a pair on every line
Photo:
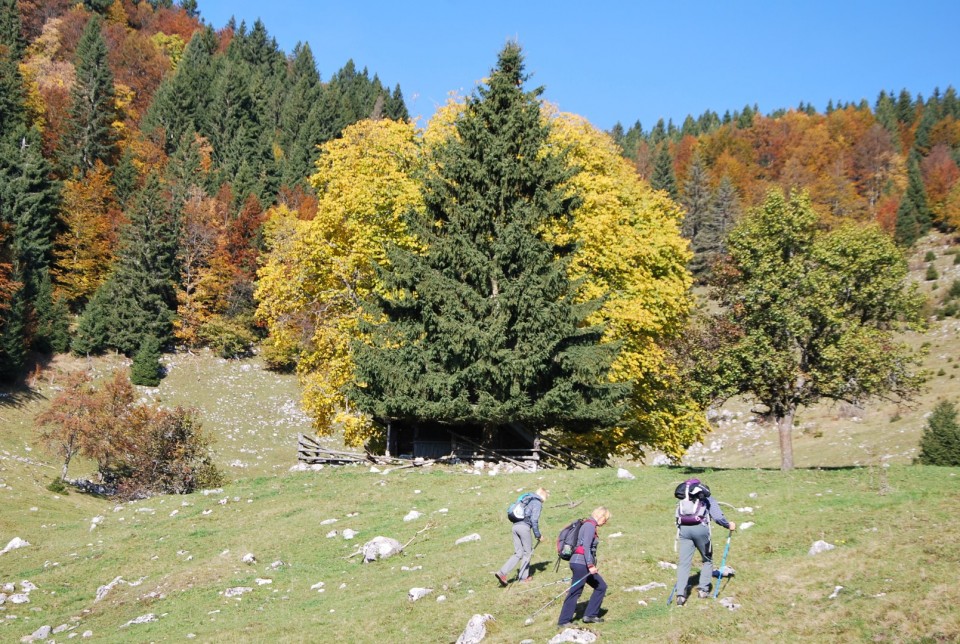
138, 300
89, 136
483, 328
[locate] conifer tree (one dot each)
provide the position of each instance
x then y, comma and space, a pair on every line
299, 118
53, 319
940, 443
11, 35
913, 215
482, 329
664, 177
182, 102
146, 369
14, 332
139, 297
89, 135
698, 227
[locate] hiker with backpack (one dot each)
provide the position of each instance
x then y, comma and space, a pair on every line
525, 515
583, 565
695, 510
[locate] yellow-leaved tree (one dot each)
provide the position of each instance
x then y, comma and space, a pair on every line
631, 253
317, 273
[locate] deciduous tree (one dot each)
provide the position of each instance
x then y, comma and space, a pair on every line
808, 316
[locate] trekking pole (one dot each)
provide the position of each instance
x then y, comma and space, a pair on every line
723, 564
552, 583
529, 620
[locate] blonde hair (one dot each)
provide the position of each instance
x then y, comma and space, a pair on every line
543, 493
601, 514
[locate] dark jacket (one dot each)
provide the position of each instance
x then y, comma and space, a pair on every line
587, 542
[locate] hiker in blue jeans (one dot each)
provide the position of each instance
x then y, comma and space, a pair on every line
583, 565
693, 535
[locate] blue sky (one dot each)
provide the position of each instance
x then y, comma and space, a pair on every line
629, 61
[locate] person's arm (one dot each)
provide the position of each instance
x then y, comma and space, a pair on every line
535, 508
717, 515
588, 532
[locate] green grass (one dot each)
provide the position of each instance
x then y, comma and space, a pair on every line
894, 527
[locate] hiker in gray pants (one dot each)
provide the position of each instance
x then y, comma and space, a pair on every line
524, 532
697, 537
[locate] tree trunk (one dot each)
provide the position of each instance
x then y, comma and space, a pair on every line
785, 427
63, 472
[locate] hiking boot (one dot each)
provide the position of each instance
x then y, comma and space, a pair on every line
681, 600
703, 594
593, 620
503, 580
526, 580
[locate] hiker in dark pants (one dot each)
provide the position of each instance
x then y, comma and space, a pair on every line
693, 533
583, 565
524, 532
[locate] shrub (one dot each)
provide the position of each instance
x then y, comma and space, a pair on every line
930, 256
954, 288
227, 338
932, 273
940, 444
170, 454
57, 486
956, 258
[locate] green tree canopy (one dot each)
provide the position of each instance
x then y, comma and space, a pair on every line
807, 315
483, 328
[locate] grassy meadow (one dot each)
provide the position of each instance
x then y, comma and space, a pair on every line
893, 525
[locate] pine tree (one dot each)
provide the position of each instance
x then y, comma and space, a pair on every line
940, 443
28, 202
698, 227
726, 211
11, 34
913, 215
139, 297
89, 135
664, 177
181, 104
484, 329
53, 319
14, 331
299, 118
146, 369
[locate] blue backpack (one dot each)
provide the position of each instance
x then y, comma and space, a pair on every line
518, 509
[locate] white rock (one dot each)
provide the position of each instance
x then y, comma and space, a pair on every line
412, 515
276, 564
746, 525
746, 509
820, 546
836, 592
418, 593
468, 538
380, 548
729, 603
328, 521
624, 474
666, 565
441, 598
374, 469
95, 521
349, 534
236, 591
87, 634
27, 587
15, 543
332, 534
574, 635
318, 586
615, 535
475, 631
262, 582
103, 590
143, 619
41, 633
19, 598
248, 558
645, 587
